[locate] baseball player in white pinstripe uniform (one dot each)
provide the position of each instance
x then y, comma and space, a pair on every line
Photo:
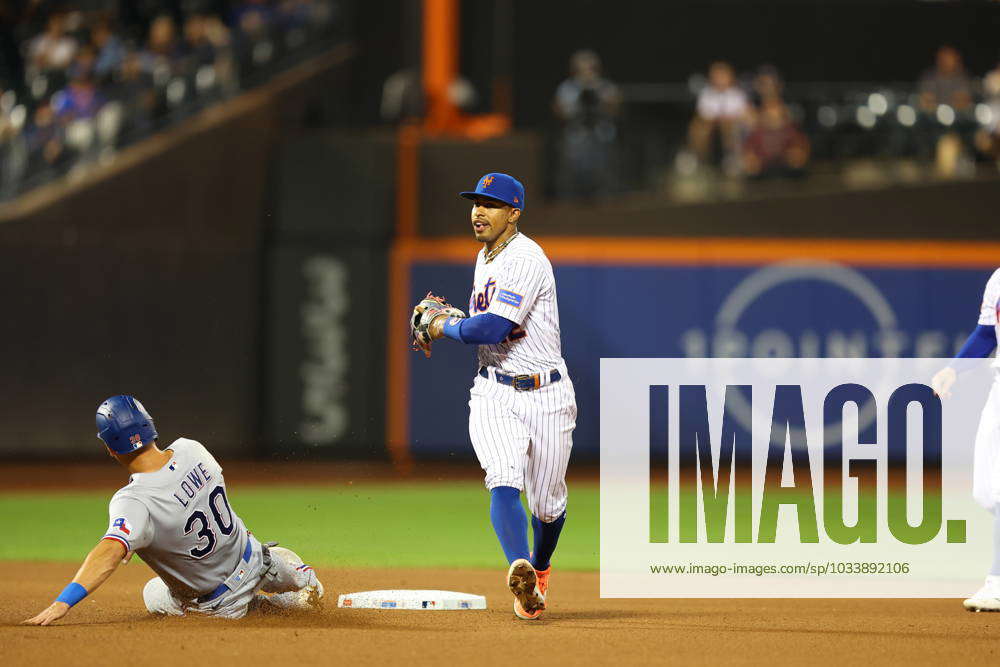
986, 461
522, 407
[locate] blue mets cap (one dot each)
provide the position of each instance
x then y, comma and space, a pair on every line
502, 187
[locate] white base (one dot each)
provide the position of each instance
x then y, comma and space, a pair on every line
406, 599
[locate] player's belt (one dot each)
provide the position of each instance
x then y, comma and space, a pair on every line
224, 586
523, 382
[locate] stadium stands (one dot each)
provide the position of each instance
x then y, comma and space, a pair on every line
91, 81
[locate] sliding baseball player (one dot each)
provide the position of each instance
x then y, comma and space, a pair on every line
175, 514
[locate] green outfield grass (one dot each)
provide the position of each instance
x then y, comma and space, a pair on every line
364, 525
406, 525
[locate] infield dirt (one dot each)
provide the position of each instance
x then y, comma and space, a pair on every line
580, 628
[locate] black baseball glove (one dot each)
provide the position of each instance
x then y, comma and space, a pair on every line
424, 313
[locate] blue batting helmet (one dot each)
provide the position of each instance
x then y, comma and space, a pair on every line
124, 425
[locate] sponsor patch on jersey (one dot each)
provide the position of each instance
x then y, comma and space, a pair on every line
121, 524
510, 298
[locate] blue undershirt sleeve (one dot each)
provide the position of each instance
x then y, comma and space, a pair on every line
485, 329
979, 345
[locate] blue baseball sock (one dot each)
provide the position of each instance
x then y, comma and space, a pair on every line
995, 570
546, 538
509, 521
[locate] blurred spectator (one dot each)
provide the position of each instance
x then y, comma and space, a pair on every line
253, 21
767, 85
253, 17
216, 32
80, 99
8, 126
946, 83
110, 50
207, 53
945, 98
775, 147
136, 92
988, 136
293, 14
587, 104
198, 45
720, 117
224, 68
53, 49
162, 49
46, 144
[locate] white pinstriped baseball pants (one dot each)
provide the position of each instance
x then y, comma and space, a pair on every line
523, 439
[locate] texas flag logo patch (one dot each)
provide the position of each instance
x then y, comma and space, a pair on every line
121, 524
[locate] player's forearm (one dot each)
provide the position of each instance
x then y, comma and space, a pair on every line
980, 343
485, 329
97, 567
102, 560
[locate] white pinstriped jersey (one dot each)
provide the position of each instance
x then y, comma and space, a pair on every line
989, 313
179, 521
522, 439
518, 285
986, 462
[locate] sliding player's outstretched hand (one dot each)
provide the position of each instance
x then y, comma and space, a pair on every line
53, 612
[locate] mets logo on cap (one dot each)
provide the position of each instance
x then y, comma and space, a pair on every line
499, 187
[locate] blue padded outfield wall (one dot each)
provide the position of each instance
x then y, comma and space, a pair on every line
788, 309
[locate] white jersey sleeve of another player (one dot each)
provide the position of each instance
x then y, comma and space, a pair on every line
518, 282
129, 524
991, 301
989, 312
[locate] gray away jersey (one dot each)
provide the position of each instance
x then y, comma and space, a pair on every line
178, 519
